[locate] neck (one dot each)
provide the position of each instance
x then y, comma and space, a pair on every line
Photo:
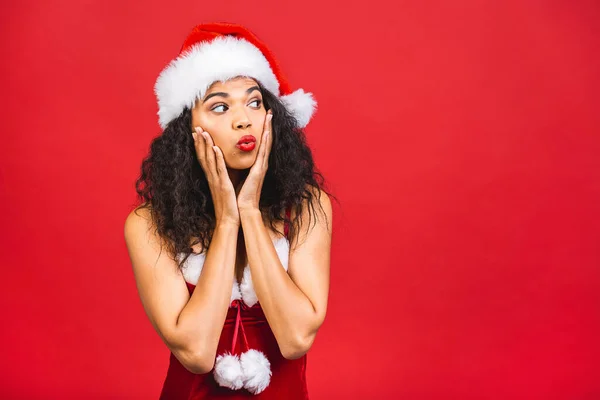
237, 177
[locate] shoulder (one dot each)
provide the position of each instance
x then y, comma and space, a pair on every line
316, 211
139, 224
323, 200
141, 216
319, 201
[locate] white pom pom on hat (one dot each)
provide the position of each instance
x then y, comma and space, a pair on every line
218, 52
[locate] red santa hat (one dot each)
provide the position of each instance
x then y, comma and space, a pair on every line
218, 52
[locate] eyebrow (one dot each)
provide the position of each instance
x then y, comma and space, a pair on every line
226, 95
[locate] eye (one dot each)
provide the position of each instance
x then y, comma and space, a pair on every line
257, 101
220, 105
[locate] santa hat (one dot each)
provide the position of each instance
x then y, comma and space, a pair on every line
218, 52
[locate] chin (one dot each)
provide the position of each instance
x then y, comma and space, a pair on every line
241, 162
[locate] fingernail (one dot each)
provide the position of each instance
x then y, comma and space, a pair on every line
198, 129
270, 117
194, 135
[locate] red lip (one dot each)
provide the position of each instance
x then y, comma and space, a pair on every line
246, 143
246, 139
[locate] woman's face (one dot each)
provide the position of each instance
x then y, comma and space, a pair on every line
228, 111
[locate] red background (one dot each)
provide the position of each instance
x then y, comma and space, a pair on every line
461, 138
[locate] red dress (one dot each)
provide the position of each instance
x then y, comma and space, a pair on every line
288, 379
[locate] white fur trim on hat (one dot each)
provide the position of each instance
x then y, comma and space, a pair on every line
301, 105
187, 77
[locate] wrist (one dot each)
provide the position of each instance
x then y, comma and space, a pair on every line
228, 224
249, 212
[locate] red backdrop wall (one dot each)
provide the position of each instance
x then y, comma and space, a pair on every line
461, 138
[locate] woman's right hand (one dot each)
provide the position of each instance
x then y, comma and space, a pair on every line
213, 163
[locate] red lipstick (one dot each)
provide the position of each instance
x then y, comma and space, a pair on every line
246, 143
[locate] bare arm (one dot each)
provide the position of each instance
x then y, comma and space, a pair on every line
294, 302
190, 326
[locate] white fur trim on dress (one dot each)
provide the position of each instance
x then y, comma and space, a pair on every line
247, 286
245, 290
187, 77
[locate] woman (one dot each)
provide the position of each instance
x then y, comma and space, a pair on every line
230, 247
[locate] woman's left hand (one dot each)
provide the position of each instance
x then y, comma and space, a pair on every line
249, 195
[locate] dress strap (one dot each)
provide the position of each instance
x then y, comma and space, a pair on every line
286, 227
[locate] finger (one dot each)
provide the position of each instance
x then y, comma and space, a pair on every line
269, 140
256, 168
259, 162
264, 145
210, 154
199, 145
267, 124
221, 167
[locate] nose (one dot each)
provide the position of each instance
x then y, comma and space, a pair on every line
245, 124
241, 121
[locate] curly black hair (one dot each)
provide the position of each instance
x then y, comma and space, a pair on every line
173, 186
